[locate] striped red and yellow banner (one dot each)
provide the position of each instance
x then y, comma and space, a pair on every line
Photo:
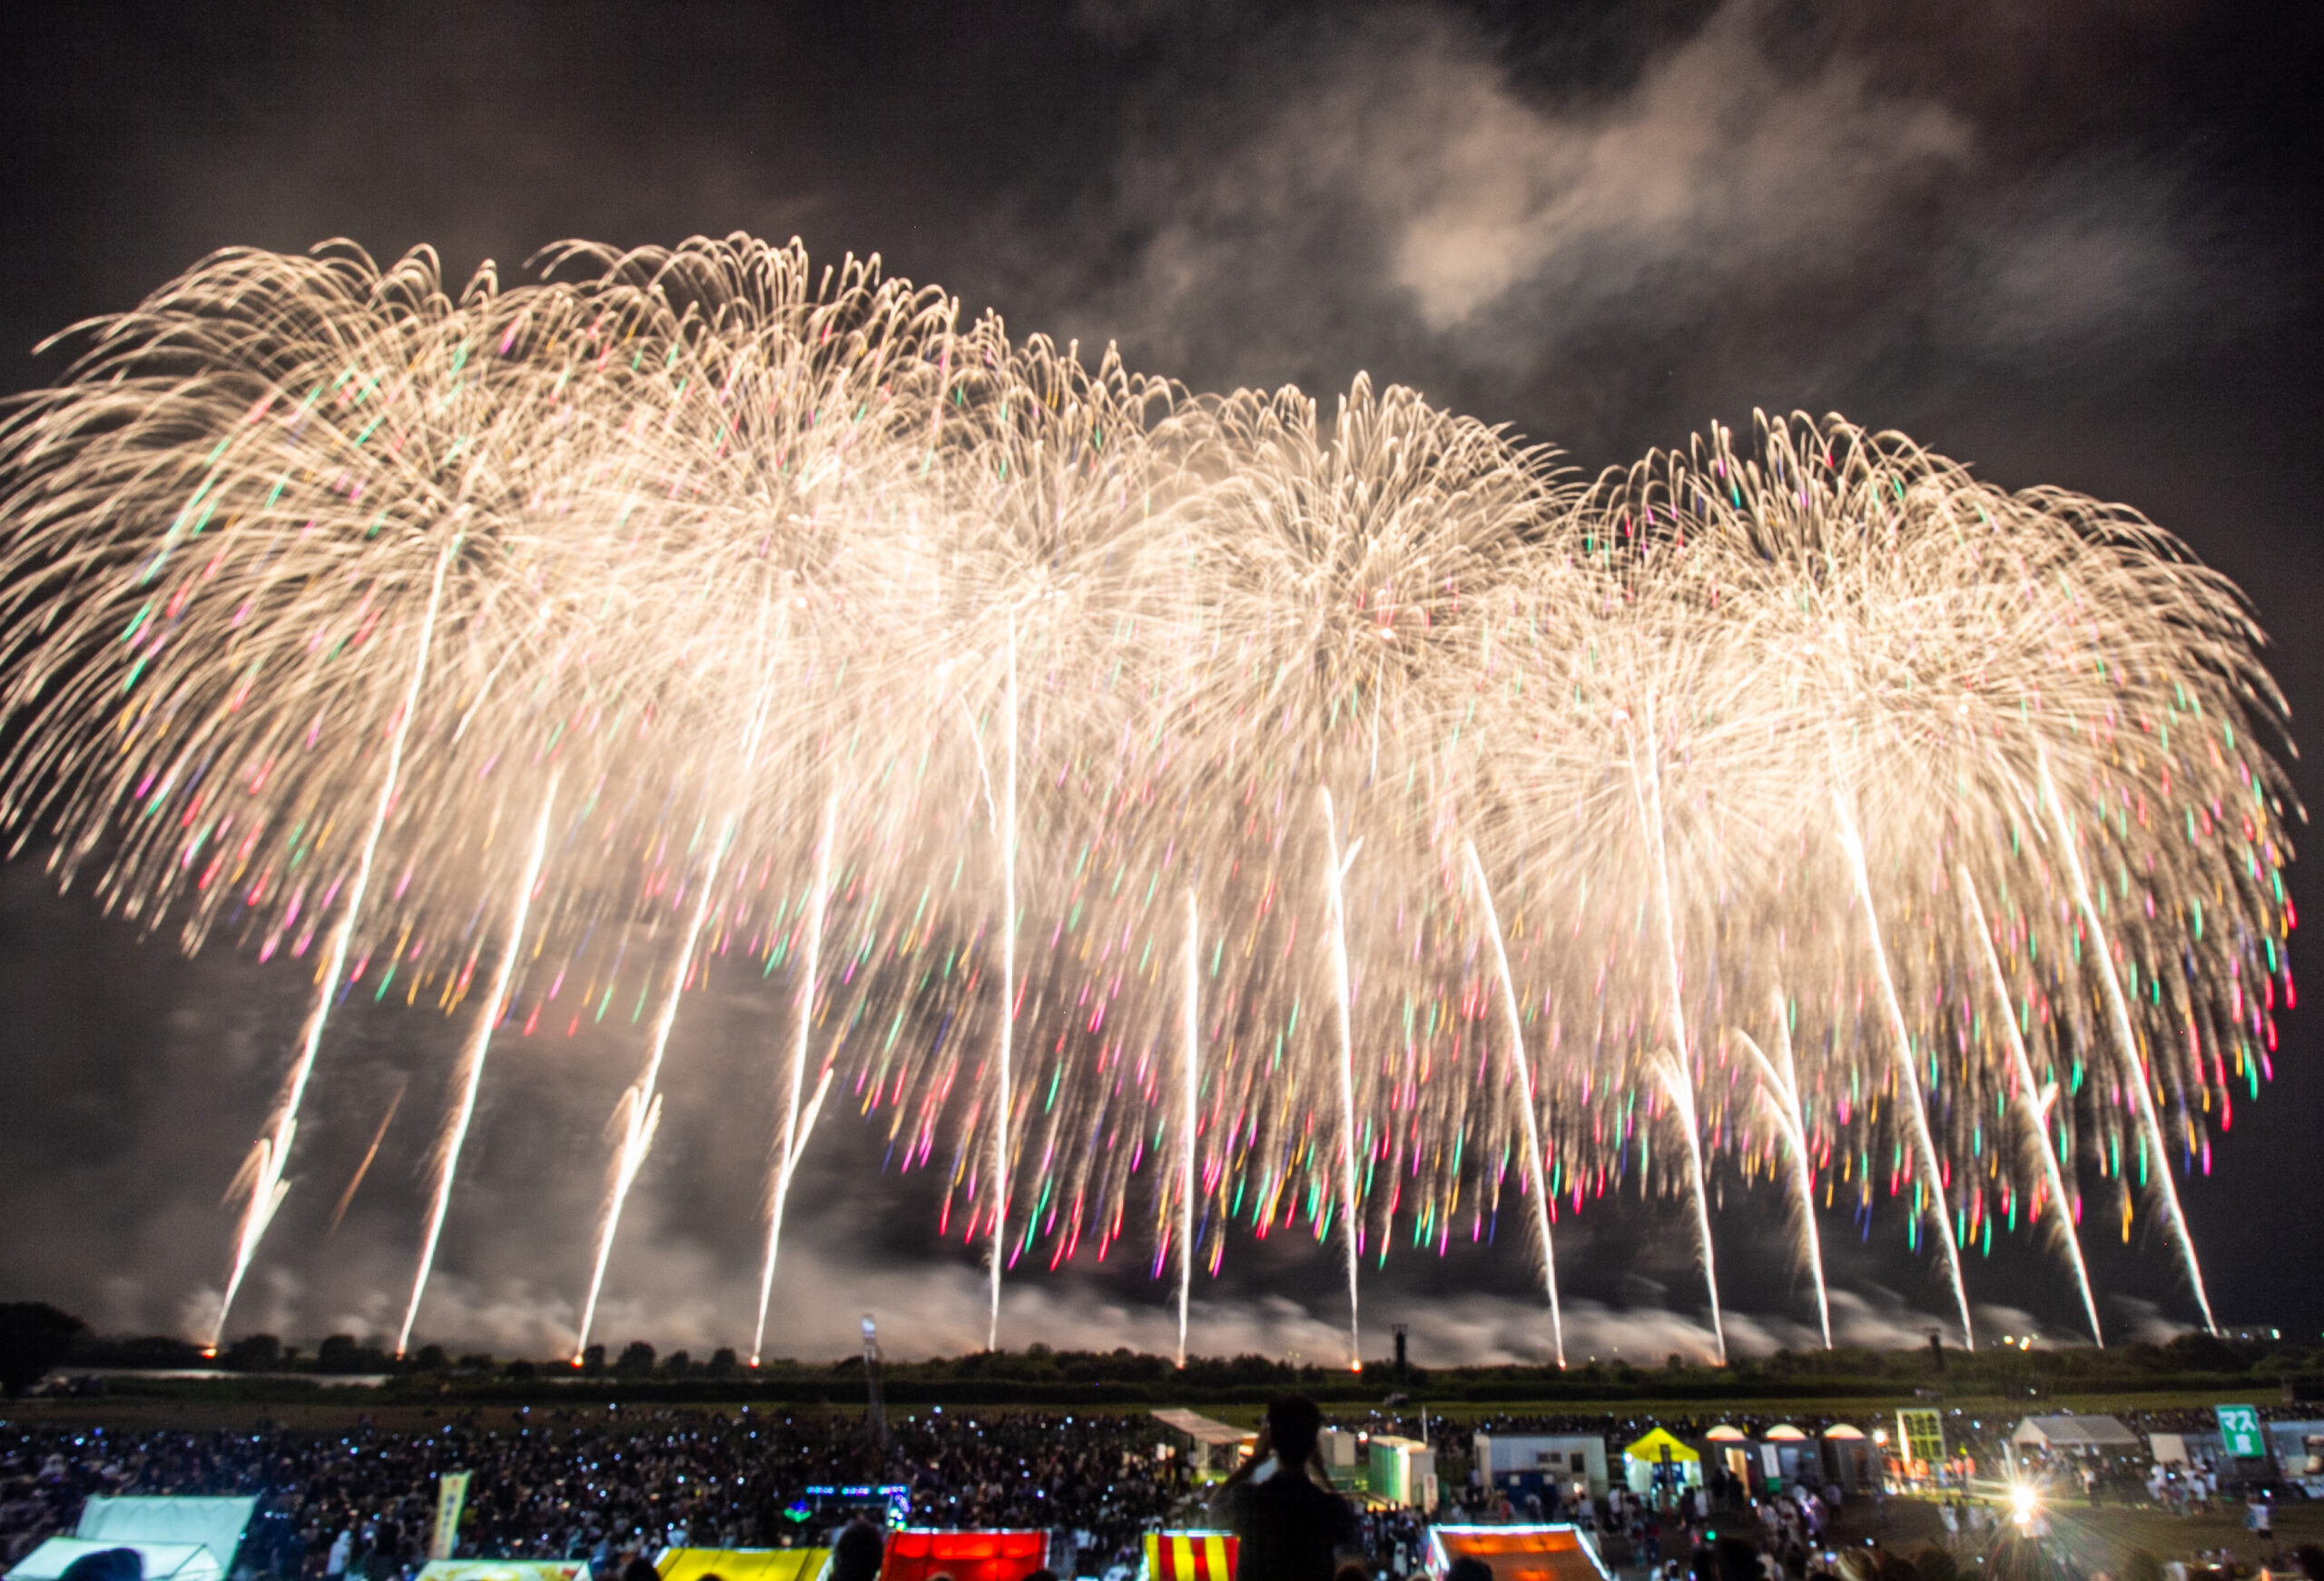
1190, 1556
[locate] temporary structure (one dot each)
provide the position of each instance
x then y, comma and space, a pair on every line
743, 1564
1216, 1445
915, 1554
163, 1561
504, 1570
177, 1539
1191, 1555
1659, 1445
1559, 1553
216, 1523
2104, 1434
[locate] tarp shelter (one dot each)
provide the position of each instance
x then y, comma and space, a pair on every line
182, 1539
1216, 1445
1190, 1556
1727, 1433
740, 1564
1659, 1445
216, 1523
915, 1554
1559, 1553
2098, 1435
1784, 1433
163, 1561
1659, 1449
504, 1570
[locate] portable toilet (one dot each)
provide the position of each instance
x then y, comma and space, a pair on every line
1403, 1472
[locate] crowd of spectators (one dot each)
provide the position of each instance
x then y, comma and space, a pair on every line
607, 1487
588, 1487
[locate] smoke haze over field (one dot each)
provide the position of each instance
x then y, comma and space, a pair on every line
2070, 243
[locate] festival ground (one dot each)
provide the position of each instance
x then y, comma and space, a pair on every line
201, 1409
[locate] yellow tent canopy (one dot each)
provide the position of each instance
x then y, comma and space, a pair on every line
1652, 1448
742, 1564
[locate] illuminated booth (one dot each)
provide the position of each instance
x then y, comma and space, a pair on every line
1659, 1460
1189, 1557
1548, 1553
917, 1554
742, 1564
504, 1570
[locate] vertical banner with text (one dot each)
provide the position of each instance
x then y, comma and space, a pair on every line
451, 1495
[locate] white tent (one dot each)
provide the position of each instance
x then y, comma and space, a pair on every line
1216, 1447
216, 1523
2102, 1434
178, 1539
163, 1561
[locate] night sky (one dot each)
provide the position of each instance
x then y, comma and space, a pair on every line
2069, 243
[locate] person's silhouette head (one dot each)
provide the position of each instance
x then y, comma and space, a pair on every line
1295, 1422
107, 1564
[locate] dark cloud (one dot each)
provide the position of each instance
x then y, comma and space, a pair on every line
1758, 203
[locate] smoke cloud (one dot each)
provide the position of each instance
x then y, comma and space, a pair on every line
1757, 210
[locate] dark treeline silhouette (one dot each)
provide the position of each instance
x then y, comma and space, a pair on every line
1039, 1375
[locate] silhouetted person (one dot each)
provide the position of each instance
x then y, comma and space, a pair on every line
107, 1564
1291, 1528
856, 1555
